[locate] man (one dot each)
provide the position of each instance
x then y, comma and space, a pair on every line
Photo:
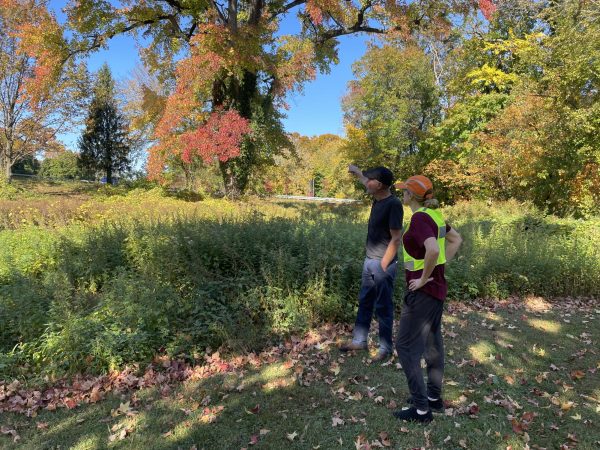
379, 269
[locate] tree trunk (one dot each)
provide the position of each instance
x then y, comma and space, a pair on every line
5, 175
188, 173
230, 180
236, 171
109, 175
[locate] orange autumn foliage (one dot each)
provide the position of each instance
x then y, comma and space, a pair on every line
39, 38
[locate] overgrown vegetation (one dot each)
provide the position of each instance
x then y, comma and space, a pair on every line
92, 284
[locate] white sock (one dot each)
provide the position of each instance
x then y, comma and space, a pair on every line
422, 413
432, 399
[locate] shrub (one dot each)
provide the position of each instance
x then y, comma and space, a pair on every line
141, 273
63, 166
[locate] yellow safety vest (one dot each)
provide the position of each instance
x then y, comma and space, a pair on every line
412, 264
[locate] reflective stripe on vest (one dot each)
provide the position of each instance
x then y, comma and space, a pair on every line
412, 264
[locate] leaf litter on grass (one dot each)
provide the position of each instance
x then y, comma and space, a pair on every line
537, 400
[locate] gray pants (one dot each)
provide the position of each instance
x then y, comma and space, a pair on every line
420, 334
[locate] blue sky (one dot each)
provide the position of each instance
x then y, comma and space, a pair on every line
316, 111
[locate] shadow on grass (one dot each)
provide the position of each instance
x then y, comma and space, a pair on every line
532, 368
511, 375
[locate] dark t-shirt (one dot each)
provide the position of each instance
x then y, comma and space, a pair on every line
386, 214
421, 228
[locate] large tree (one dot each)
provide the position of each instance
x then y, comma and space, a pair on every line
525, 117
104, 145
233, 67
389, 106
39, 93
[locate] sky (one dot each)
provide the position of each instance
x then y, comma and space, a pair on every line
317, 110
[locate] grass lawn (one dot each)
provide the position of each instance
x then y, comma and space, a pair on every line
519, 374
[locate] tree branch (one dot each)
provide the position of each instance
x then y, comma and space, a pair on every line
219, 11
100, 39
255, 11
175, 4
190, 32
286, 8
356, 28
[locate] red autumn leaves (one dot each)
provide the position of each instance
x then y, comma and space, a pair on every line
220, 137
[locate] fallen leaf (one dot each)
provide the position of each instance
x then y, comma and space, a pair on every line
291, 436
517, 426
11, 431
42, 425
357, 396
528, 416
566, 405
95, 395
576, 417
385, 439
577, 374
253, 439
337, 421
264, 431
473, 409
335, 369
360, 442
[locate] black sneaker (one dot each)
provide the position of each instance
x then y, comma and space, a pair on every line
411, 415
435, 405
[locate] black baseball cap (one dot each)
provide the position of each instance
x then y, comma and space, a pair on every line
381, 174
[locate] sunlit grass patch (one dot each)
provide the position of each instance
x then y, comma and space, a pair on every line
88, 443
550, 326
272, 376
451, 320
538, 351
492, 316
537, 304
482, 350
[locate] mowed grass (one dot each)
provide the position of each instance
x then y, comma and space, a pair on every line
520, 374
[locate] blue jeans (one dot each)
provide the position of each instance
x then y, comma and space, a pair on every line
376, 293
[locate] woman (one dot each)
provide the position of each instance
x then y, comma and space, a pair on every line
428, 244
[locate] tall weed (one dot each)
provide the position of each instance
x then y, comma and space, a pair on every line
174, 276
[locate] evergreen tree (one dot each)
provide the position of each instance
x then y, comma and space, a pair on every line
104, 146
